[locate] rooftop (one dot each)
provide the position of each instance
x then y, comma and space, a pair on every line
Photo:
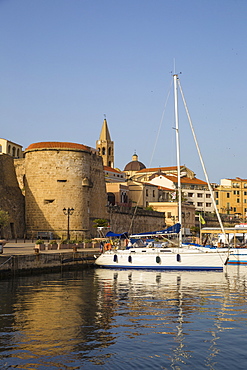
57, 145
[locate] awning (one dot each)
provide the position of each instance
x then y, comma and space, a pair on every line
170, 230
110, 234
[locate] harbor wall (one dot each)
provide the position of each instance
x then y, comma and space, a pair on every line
44, 263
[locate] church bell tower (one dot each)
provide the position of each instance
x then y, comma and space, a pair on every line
105, 146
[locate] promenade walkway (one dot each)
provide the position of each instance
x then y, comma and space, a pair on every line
27, 248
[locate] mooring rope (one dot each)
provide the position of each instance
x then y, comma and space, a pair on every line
6, 261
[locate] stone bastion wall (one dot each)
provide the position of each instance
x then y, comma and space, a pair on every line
11, 199
58, 176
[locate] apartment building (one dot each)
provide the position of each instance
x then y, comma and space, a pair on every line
231, 196
194, 191
10, 148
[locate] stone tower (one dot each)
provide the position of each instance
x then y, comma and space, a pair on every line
105, 146
62, 175
11, 199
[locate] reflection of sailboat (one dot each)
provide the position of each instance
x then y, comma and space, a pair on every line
191, 279
182, 258
186, 313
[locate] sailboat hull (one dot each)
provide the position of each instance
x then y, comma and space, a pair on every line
166, 259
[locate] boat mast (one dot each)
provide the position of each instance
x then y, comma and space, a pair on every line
175, 78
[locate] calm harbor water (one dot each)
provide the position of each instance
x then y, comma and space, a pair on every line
109, 319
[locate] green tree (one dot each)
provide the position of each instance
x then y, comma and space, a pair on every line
4, 220
100, 222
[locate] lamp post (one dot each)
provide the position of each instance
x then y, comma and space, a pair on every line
68, 212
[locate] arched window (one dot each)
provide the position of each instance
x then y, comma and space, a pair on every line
18, 153
111, 198
103, 151
9, 149
109, 151
13, 151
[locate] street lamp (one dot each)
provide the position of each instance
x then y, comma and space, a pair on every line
68, 212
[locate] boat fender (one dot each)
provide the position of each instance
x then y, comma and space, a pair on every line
107, 246
130, 259
115, 258
158, 259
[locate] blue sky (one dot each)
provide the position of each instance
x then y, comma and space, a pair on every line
66, 63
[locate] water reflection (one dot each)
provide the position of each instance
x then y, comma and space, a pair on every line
175, 304
124, 319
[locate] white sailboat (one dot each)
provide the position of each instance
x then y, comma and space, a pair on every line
161, 258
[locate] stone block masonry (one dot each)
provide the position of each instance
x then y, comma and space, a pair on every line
11, 198
39, 263
62, 175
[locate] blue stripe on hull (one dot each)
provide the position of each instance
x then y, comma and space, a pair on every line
234, 262
162, 268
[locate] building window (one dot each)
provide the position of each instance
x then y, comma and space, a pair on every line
103, 151
199, 204
238, 200
245, 200
217, 202
48, 201
169, 214
153, 193
208, 204
208, 195
146, 192
199, 195
109, 151
190, 195
234, 209
216, 194
228, 195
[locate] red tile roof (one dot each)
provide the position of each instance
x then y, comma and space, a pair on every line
184, 179
238, 179
57, 145
187, 180
110, 169
158, 169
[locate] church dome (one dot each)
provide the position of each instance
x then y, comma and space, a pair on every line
134, 165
